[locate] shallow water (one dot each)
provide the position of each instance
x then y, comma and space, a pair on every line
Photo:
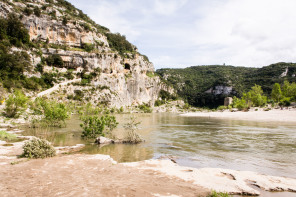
264, 147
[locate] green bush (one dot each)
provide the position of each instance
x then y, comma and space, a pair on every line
93, 126
65, 20
15, 104
28, 11
38, 148
165, 95
119, 43
218, 194
7, 136
54, 113
159, 103
88, 47
37, 11
285, 102
151, 74
54, 60
240, 104
222, 107
145, 108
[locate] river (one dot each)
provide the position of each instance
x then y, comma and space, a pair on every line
264, 147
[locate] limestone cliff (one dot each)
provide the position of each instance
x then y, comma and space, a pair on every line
123, 77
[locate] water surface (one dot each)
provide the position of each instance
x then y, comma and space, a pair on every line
264, 147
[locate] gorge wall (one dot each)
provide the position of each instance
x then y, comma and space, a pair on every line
123, 76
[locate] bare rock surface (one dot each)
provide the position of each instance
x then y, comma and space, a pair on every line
222, 180
89, 175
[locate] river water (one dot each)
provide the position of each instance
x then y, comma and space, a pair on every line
264, 147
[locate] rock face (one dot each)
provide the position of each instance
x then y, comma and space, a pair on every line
126, 77
228, 101
218, 90
45, 29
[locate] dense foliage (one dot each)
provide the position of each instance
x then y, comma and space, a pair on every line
12, 30
253, 98
54, 60
54, 113
38, 148
8, 137
15, 104
193, 83
13, 64
94, 126
119, 43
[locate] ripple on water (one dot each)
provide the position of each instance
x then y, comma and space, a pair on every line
198, 142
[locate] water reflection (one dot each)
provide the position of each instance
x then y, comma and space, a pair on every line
265, 147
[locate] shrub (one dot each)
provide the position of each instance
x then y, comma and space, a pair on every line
7, 136
145, 108
65, 20
38, 148
15, 104
88, 47
285, 102
165, 95
54, 113
218, 194
54, 60
93, 126
37, 11
132, 136
119, 43
28, 11
159, 103
150, 74
222, 107
240, 104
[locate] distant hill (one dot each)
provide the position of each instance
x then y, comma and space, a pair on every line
209, 85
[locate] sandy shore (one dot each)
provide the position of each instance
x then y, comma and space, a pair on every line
272, 115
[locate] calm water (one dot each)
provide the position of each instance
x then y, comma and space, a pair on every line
264, 147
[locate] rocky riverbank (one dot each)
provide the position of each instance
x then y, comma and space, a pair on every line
78, 174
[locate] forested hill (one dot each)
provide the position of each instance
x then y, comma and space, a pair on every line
209, 85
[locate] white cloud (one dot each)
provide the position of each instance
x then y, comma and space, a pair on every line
168, 7
194, 32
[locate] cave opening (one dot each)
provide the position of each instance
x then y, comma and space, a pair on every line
127, 67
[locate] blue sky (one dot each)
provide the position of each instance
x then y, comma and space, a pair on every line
182, 33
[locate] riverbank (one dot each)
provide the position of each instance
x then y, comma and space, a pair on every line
275, 115
80, 174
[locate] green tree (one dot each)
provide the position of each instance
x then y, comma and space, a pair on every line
276, 92
257, 97
15, 103
54, 113
240, 104
93, 126
286, 89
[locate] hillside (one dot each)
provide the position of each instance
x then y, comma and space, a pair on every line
44, 43
209, 85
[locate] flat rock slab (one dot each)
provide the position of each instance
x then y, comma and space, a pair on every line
221, 180
89, 175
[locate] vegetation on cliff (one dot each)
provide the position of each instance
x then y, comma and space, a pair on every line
193, 83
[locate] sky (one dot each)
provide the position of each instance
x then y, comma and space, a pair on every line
182, 33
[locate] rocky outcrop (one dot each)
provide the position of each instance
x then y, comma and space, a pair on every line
46, 29
124, 76
220, 90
